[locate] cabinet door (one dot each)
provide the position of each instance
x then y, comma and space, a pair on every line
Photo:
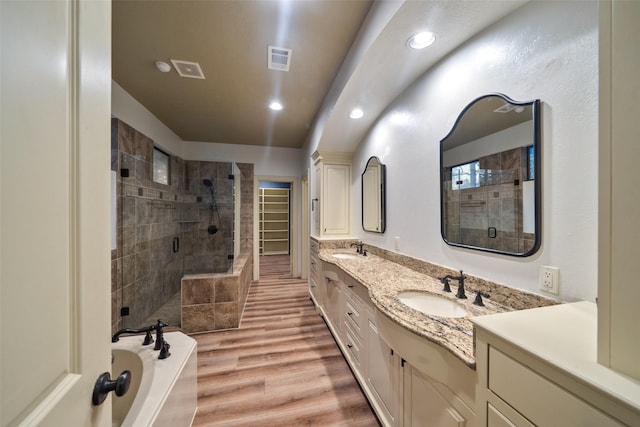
315, 270
424, 406
335, 199
315, 200
333, 304
383, 373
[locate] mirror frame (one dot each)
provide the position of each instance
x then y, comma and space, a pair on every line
383, 195
535, 113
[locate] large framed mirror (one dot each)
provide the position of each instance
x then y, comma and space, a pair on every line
374, 196
490, 177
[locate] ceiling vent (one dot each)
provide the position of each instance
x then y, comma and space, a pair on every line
188, 69
279, 58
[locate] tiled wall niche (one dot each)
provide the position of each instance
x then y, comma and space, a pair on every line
155, 220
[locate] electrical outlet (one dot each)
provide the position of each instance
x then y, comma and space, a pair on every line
550, 279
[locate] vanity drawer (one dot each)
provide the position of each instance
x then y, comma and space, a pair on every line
538, 399
354, 348
358, 290
353, 316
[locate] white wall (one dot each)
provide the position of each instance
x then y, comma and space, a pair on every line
274, 161
544, 50
126, 108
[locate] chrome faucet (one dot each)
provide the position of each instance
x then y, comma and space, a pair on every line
445, 281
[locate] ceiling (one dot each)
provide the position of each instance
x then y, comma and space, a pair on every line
229, 40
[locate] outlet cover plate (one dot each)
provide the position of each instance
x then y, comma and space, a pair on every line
550, 279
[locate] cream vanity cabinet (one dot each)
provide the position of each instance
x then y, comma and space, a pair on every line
437, 388
384, 375
331, 287
538, 368
331, 194
315, 271
408, 380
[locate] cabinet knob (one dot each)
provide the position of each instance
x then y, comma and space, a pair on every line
349, 345
349, 313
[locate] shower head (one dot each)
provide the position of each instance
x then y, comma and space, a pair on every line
207, 183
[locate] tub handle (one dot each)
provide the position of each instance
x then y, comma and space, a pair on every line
104, 385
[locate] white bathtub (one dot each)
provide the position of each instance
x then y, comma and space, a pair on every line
162, 392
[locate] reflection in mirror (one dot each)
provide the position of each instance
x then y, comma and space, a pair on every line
373, 196
490, 177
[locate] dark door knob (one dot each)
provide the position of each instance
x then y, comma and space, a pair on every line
104, 385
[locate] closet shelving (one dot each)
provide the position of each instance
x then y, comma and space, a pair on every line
274, 221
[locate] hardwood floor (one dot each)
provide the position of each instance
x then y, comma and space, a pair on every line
281, 367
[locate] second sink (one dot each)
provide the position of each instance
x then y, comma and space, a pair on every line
432, 304
345, 256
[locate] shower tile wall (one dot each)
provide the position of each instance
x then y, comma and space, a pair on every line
205, 252
246, 206
146, 272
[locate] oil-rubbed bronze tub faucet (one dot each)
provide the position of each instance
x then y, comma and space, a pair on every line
147, 339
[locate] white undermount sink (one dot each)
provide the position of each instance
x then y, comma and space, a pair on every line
345, 256
432, 304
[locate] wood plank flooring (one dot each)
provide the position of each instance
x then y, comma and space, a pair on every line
281, 367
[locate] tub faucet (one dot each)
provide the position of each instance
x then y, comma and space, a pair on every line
164, 351
159, 334
147, 338
445, 281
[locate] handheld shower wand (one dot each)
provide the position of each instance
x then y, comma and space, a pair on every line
212, 229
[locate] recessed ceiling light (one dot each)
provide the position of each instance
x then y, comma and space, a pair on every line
421, 40
163, 66
356, 113
275, 106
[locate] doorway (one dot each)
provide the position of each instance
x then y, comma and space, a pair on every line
274, 229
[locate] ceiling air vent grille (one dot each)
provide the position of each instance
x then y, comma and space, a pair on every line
188, 69
279, 58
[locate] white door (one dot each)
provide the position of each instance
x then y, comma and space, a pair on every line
54, 211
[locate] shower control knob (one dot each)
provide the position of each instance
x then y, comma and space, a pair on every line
104, 385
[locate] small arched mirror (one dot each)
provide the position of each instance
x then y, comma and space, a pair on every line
373, 196
490, 177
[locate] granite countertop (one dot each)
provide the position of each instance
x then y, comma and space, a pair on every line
386, 279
